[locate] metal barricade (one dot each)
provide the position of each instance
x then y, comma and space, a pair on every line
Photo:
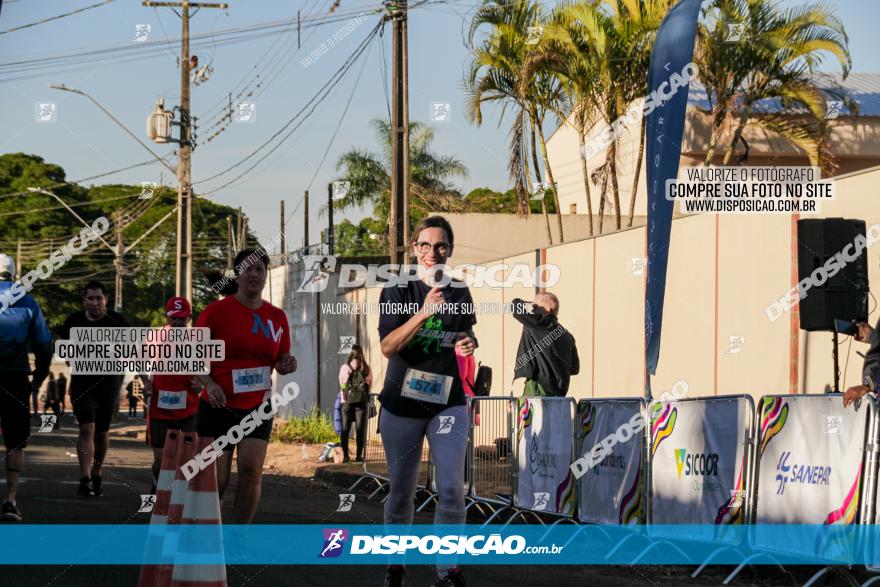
375, 467
612, 491
824, 434
490, 455
552, 420
701, 424
375, 460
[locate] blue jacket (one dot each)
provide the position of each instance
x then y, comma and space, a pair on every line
337, 414
23, 328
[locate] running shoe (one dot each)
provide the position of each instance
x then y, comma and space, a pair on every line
85, 488
11, 513
395, 576
452, 579
96, 485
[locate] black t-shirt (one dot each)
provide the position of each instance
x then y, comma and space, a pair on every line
432, 350
95, 383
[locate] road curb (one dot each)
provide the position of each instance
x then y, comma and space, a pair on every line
340, 475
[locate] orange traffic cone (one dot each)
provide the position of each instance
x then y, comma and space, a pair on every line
201, 507
158, 575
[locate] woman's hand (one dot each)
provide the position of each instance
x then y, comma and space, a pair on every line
147, 389
865, 331
433, 301
216, 397
286, 364
854, 393
465, 345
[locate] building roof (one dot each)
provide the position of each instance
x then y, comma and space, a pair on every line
864, 88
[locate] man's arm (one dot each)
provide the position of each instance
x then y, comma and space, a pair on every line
41, 345
575, 360
871, 366
522, 313
870, 370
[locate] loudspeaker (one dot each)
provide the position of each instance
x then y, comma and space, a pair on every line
843, 296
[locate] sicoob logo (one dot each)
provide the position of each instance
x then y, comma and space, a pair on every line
334, 538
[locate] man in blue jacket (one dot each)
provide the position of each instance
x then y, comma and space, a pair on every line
22, 328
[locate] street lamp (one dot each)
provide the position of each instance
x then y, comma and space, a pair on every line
119, 250
64, 88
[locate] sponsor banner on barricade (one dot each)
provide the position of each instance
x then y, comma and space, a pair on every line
612, 490
699, 463
811, 469
544, 439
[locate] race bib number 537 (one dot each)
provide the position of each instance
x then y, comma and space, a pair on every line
255, 379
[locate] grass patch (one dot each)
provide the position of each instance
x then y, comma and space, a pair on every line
312, 428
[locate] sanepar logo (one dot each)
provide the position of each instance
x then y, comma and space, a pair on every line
697, 463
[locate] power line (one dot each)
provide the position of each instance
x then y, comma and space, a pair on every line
263, 79
50, 19
78, 181
38, 66
338, 125
90, 203
311, 105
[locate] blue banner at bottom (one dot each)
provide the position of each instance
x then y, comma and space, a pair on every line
564, 544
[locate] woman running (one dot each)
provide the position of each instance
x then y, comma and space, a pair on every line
257, 339
355, 378
422, 395
173, 399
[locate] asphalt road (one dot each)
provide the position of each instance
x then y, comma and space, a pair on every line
48, 496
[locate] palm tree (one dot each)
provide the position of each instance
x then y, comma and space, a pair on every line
370, 180
494, 75
773, 61
604, 47
542, 93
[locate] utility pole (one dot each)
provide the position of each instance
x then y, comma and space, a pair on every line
283, 245
238, 227
230, 242
330, 218
399, 229
117, 261
306, 221
184, 165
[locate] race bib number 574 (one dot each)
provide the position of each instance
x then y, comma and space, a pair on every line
427, 387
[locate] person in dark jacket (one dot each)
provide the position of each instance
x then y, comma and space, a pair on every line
22, 328
61, 390
547, 355
355, 373
871, 367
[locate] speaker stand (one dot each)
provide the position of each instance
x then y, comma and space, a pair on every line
836, 364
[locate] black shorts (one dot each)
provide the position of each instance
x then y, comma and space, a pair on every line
216, 422
15, 413
159, 429
94, 404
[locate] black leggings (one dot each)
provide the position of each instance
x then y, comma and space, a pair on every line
357, 414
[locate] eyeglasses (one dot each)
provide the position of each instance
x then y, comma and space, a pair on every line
423, 247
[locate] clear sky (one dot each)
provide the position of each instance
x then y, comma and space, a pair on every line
85, 142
